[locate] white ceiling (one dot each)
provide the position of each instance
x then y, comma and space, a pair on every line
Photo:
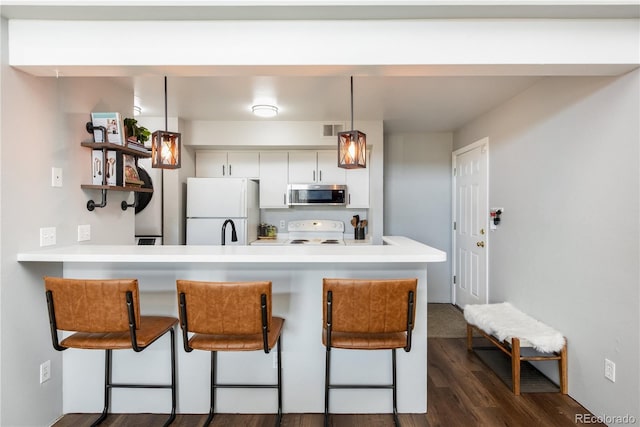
405, 101
405, 104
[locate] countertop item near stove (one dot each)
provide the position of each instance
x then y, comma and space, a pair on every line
353, 242
280, 240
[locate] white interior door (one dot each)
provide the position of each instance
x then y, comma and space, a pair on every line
471, 224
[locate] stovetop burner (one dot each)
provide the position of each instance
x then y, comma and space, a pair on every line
299, 241
330, 242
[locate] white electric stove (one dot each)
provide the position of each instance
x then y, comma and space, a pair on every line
315, 232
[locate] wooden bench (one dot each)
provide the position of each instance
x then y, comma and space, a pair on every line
510, 330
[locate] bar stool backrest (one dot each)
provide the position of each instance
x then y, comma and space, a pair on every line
93, 305
368, 305
222, 308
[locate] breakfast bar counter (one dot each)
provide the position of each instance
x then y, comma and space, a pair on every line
396, 249
296, 274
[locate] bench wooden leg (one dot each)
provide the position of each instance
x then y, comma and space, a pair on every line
562, 365
469, 337
515, 365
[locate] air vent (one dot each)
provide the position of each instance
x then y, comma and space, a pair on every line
332, 129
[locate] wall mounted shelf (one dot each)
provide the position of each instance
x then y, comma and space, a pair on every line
105, 146
116, 147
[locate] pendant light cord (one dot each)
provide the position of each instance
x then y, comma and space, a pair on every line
352, 103
166, 120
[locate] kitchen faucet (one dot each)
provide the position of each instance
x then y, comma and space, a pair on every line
234, 236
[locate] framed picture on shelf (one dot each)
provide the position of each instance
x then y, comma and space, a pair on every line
131, 176
97, 167
110, 168
112, 124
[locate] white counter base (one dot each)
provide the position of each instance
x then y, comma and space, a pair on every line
297, 296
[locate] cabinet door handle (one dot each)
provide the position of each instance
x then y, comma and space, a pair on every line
222, 170
284, 198
229, 170
320, 173
314, 176
349, 198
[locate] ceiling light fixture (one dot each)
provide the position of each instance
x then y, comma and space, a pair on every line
352, 145
264, 110
165, 145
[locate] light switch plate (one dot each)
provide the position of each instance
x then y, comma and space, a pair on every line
56, 177
47, 236
84, 232
45, 371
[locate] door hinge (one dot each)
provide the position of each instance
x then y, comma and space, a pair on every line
454, 280
455, 224
454, 171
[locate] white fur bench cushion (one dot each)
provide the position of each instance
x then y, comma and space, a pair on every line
504, 322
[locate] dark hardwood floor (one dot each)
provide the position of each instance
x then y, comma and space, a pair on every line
461, 391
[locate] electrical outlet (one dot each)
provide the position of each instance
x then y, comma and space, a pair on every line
610, 370
47, 236
282, 224
56, 177
84, 232
45, 371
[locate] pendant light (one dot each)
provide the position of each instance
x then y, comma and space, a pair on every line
352, 145
165, 145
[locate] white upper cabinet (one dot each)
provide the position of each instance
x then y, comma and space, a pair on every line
232, 164
358, 187
273, 179
315, 167
303, 167
328, 170
243, 164
211, 164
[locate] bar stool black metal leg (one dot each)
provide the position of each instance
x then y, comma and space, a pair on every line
279, 417
395, 396
212, 405
107, 388
173, 379
327, 377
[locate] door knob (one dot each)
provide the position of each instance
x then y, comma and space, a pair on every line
480, 244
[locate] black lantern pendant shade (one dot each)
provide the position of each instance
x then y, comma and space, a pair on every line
352, 145
165, 146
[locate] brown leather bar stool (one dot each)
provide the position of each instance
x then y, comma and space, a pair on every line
367, 314
105, 315
230, 316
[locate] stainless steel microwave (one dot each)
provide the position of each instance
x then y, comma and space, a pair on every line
317, 195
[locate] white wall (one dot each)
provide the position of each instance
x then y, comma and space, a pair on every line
417, 188
565, 166
43, 126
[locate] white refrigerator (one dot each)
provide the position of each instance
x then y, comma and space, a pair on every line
212, 201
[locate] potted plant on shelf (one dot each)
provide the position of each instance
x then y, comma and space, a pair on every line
135, 133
